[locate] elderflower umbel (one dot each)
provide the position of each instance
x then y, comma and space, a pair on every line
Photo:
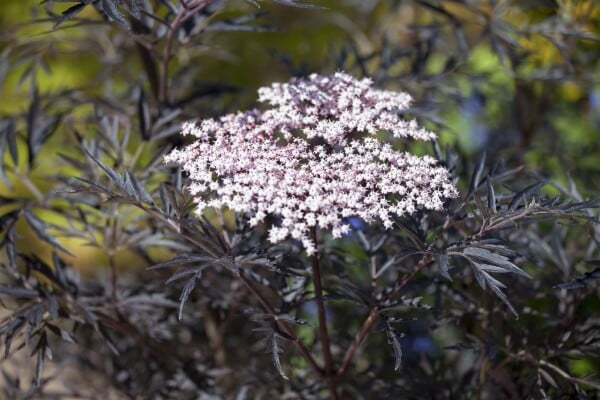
311, 159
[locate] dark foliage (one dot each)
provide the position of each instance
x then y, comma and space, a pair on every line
494, 298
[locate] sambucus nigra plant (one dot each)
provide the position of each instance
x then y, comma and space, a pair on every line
299, 228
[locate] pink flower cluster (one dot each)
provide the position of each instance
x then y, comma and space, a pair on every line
312, 160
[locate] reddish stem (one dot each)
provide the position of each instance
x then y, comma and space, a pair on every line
323, 334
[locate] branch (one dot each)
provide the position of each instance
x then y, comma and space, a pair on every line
323, 334
282, 325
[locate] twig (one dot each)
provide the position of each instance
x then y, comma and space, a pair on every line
282, 325
372, 317
188, 11
358, 339
323, 334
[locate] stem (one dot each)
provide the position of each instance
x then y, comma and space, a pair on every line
263, 302
372, 317
281, 324
112, 272
358, 339
323, 334
188, 11
425, 260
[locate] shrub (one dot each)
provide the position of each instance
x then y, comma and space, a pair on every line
310, 249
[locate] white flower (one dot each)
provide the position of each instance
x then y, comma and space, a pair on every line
311, 159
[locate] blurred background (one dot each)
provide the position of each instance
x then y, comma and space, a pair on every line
518, 80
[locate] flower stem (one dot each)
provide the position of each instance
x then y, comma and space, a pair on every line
282, 325
323, 334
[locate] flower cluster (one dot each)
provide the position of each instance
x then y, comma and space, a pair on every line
312, 160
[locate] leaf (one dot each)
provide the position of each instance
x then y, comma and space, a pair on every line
414, 302
394, 341
109, 342
239, 24
39, 227
53, 307
294, 3
39, 366
586, 279
111, 10
519, 196
143, 114
129, 189
183, 259
182, 274
69, 13
498, 292
491, 196
476, 176
493, 258
272, 348
548, 378
111, 173
185, 293
292, 319
41, 134
9, 135
441, 259
485, 279
18, 292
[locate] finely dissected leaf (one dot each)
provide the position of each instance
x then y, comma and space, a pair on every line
240, 24
8, 134
586, 279
292, 319
492, 268
478, 253
414, 302
3, 175
111, 173
442, 261
95, 186
53, 307
478, 276
39, 227
494, 246
297, 4
143, 114
129, 189
39, 366
197, 271
485, 279
11, 249
40, 133
66, 336
139, 189
111, 10
394, 341
109, 342
185, 293
182, 259
519, 196
69, 13
18, 292
476, 175
503, 297
491, 196
272, 348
